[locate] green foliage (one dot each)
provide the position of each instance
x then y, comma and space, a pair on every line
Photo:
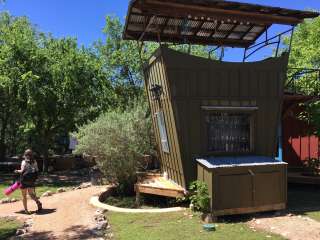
306, 45
305, 53
118, 140
123, 59
313, 165
48, 86
199, 196
17, 44
311, 115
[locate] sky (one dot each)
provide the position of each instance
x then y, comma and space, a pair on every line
85, 19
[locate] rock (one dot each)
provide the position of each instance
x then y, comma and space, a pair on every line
268, 236
207, 218
258, 222
289, 215
100, 218
101, 211
61, 190
5, 200
85, 185
20, 231
47, 194
109, 235
102, 225
191, 206
13, 200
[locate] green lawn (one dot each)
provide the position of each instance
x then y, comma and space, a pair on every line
304, 200
17, 194
42, 186
8, 228
173, 226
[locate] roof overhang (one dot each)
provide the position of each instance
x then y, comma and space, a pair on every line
208, 22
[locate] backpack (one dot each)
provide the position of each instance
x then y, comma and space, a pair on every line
30, 174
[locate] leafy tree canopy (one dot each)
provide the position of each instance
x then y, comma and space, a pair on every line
305, 54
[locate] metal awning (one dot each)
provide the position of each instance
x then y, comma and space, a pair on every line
208, 22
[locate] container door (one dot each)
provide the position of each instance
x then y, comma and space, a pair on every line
268, 188
235, 191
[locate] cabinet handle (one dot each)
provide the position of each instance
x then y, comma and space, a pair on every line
250, 171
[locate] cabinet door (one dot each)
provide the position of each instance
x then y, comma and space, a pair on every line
268, 188
234, 191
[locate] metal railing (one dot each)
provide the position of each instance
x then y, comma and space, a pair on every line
303, 81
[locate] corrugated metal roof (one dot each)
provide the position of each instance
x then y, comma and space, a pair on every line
206, 22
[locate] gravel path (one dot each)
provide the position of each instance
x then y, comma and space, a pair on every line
289, 226
66, 216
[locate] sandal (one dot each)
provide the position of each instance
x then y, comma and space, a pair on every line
27, 212
39, 204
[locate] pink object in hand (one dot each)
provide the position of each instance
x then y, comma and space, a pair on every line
12, 188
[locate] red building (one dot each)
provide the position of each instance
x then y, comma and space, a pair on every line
299, 144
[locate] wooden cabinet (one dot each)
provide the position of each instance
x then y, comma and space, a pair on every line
245, 189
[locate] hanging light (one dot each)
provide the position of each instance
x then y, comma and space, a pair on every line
156, 91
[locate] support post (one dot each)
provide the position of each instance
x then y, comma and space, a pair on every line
138, 196
280, 148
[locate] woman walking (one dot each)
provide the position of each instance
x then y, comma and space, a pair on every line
28, 176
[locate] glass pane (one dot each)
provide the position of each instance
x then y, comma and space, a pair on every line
163, 132
228, 132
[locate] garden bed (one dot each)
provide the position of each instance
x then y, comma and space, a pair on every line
108, 200
146, 202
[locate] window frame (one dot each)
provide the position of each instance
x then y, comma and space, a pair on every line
234, 110
163, 134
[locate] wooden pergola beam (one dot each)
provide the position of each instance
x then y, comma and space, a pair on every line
176, 38
149, 23
184, 10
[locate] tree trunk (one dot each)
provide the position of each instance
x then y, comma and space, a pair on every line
45, 149
45, 152
3, 147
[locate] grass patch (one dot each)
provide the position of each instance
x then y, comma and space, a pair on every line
8, 227
177, 225
17, 194
304, 200
41, 186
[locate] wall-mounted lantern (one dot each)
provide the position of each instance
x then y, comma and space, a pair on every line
156, 91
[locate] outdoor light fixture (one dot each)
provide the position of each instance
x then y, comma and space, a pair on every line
156, 91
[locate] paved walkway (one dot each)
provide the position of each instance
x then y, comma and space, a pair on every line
66, 216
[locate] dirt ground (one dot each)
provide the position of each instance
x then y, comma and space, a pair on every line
66, 216
293, 227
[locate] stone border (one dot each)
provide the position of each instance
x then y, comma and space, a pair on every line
96, 201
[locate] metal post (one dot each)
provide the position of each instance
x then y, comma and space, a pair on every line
280, 148
244, 55
278, 45
291, 38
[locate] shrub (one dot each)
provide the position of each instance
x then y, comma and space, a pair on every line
313, 165
199, 196
118, 140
